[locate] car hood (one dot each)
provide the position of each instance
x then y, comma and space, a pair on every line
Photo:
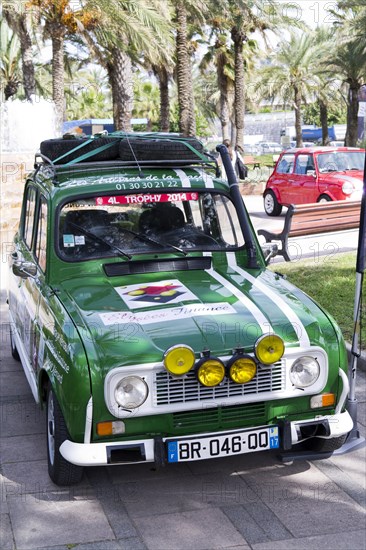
137, 320
355, 177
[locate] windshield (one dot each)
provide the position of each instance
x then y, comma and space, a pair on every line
341, 161
125, 225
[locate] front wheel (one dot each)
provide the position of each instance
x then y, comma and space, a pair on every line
60, 470
271, 204
14, 351
324, 198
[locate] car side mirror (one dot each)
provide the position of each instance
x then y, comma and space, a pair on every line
24, 269
311, 173
269, 252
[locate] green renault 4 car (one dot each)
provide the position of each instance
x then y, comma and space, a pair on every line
146, 320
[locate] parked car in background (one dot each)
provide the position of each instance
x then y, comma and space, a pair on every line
337, 144
314, 174
250, 149
269, 147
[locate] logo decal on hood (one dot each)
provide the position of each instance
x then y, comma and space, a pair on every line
153, 294
164, 315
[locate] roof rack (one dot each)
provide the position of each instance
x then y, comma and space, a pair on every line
130, 149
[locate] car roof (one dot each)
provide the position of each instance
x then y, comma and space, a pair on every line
317, 149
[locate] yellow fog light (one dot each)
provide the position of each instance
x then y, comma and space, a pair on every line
178, 360
269, 349
210, 371
242, 369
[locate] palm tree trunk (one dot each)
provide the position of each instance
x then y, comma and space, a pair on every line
121, 82
163, 79
298, 130
187, 122
352, 115
222, 83
58, 79
323, 112
239, 38
18, 23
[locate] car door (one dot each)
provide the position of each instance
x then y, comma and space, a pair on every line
27, 280
281, 179
303, 187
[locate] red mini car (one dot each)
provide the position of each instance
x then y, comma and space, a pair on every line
314, 174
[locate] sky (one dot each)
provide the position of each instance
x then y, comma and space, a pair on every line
313, 12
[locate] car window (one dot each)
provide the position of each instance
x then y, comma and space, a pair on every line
339, 161
286, 164
30, 209
107, 226
41, 235
303, 164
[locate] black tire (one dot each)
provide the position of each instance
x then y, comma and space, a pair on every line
14, 351
60, 471
55, 148
271, 205
324, 445
160, 149
324, 198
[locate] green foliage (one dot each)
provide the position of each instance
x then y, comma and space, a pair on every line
337, 113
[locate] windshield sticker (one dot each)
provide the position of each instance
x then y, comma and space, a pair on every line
143, 199
162, 292
79, 240
166, 315
69, 241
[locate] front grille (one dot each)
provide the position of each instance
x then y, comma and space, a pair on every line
221, 417
169, 390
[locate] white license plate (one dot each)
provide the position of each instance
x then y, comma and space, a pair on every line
223, 444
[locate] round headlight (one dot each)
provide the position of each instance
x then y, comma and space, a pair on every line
269, 349
242, 369
347, 188
210, 371
304, 372
131, 392
178, 360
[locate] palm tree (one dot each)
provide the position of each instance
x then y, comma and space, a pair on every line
9, 61
127, 27
291, 77
18, 22
349, 62
61, 20
189, 16
220, 55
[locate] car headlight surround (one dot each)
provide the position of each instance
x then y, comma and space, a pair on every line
131, 392
179, 359
269, 348
241, 368
304, 371
347, 188
210, 371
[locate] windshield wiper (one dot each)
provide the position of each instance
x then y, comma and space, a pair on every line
147, 239
100, 239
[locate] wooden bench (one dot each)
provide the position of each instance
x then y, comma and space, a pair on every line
313, 218
250, 160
